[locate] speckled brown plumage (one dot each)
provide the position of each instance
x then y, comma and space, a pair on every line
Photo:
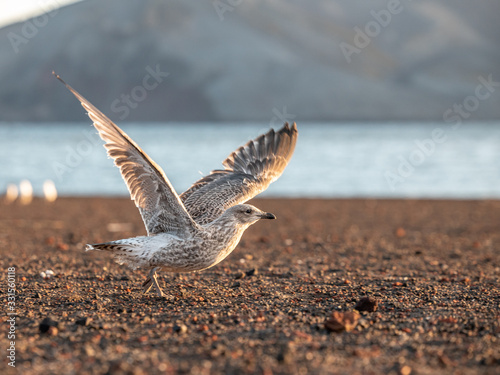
248, 171
201, 227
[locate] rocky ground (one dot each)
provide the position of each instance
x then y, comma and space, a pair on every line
424, 276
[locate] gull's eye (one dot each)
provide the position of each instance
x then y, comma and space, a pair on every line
248, 211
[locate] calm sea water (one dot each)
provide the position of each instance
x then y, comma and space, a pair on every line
340, 160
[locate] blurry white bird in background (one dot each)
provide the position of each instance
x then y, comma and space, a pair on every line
26, 192
11, 193
49, 191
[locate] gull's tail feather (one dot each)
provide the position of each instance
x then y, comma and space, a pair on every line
127, 251
108, 246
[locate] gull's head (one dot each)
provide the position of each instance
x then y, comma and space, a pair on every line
246, 214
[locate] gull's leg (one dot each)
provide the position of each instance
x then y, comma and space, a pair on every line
155, 283
148, 284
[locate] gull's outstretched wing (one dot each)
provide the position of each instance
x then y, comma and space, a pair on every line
248, 171
161, 209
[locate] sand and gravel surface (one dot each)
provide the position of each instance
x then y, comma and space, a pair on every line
331, 287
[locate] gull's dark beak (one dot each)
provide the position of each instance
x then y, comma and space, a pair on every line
268, 215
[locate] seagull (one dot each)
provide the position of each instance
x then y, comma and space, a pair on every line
201, 227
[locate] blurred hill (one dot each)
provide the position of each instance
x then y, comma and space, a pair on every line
252, 60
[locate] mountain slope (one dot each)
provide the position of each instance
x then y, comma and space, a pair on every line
252, 62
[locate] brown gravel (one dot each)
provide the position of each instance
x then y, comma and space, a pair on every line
433, 268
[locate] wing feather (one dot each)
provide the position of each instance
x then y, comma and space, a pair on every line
160, 206
248, 171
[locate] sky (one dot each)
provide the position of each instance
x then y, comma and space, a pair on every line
20, 10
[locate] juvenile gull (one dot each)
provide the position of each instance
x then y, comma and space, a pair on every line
202, 226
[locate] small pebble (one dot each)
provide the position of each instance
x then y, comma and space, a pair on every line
82, 321
47, 274
251, 272
45, 325
405, 370
342, 321
239, 275
62, 246
400, 232
367, 304
180, 328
